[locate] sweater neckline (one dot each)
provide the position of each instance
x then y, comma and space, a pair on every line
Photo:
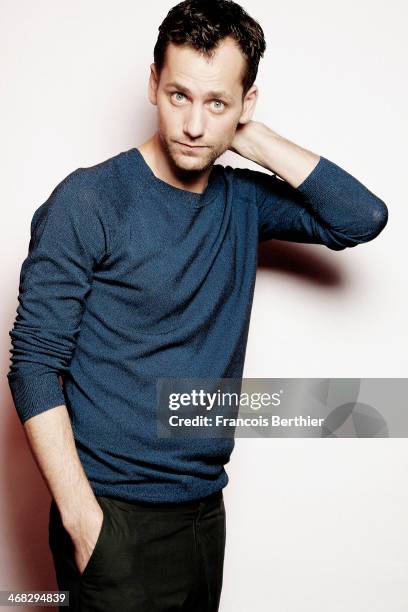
196, 200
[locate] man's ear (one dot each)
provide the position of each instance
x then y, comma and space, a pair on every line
153, 84
249, 105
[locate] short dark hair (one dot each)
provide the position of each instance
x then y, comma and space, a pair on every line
203, 24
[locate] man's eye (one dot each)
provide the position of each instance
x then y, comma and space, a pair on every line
219, 102
178, 93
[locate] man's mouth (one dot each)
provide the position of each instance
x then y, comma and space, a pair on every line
183, 144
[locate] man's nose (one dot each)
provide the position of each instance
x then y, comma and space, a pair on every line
194, 125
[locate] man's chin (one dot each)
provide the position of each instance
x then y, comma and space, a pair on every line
189, 164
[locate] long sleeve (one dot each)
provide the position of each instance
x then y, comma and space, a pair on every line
68, 239
331, 207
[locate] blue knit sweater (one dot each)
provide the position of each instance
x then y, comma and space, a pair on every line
129, 279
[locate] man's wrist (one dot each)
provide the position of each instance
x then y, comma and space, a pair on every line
281, 156
72, 514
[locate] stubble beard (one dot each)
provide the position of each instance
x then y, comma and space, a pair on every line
206, 160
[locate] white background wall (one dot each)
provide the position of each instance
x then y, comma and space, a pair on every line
311, 524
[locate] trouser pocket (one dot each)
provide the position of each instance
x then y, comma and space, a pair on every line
62, 546
92, 564
97, 570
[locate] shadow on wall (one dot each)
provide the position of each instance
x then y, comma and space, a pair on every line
26, 560
300, 261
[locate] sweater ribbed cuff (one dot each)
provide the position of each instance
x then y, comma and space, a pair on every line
33, 394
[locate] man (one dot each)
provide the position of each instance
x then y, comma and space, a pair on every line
141, 267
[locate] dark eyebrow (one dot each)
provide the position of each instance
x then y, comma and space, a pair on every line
216, 94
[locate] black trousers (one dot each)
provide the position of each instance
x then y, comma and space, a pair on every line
148, 557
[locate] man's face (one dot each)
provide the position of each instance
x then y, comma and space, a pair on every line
199, 102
